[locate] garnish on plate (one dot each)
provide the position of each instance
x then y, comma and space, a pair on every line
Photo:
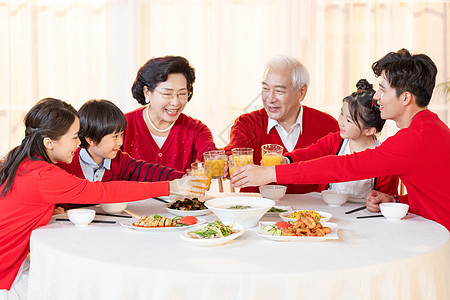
213, 230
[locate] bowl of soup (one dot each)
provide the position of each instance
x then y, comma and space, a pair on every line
242, 210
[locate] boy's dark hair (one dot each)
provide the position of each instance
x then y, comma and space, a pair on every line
99, 118
405, 72
157, 70
364, 112
49, 118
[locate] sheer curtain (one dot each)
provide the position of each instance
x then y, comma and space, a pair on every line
78, 50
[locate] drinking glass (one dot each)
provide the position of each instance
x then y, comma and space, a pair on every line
242, 156
215, 161
272, 154
199, 169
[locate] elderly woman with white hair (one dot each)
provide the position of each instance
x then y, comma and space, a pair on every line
283, 120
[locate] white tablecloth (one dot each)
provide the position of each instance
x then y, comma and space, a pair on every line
372, 259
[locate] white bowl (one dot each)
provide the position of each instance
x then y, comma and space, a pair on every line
113, 208
273, 192
81, 216
248, 217
334, 198
394, 211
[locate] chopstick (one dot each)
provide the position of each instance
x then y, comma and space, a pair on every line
94, 221
160, 199
111, 215
372, 216
355, 210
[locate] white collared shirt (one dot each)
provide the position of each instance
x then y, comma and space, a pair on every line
290, 138
91, 170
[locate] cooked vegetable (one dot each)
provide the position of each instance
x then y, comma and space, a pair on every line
188, 220
213, 230
239, 207
312, 213
188, 204
274, 209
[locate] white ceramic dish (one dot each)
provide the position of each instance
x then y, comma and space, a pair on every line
129, 224
212, 242
334, 198
330, 236
81, 216
183, 213
287, 209
273, 192
325, 217
113, 208
394, 211
248, 217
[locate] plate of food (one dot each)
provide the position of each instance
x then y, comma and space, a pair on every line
276, 210
162, 223
212, 234
292, 232
295, 215
187, 207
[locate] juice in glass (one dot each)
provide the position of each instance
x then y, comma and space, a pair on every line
200, 169
215, 162
271, 154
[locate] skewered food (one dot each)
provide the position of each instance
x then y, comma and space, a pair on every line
161, 221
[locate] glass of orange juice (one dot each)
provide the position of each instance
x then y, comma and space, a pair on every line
242, 156
199, 169
215, 161
272, 154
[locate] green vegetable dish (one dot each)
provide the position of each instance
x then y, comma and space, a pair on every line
275, 210
239, 207
211, 231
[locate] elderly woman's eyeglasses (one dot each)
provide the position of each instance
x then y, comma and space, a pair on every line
182, 96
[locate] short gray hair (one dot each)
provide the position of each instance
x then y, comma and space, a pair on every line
300, 74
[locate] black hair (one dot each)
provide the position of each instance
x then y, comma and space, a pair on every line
49, 118
405, 72
157, 70
99, 118
363, 110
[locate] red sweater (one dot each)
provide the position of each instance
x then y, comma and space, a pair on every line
250, 131
124, 167
185, 144
419, 155
37, 187
330, 145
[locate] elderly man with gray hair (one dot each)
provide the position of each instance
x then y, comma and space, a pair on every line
283, 120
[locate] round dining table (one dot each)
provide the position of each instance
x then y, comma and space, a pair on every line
373, 258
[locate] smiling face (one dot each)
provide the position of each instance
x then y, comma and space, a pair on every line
164, 109
391, 107
348, 128
63, 149
107, 148
281, 101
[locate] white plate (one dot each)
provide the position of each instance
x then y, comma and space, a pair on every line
287, 208
184, 213
129, 224
212, 242
325, 217
330, 236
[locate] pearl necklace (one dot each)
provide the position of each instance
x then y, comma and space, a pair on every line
154, 126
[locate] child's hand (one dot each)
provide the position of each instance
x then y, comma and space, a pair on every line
58, 210
189, 185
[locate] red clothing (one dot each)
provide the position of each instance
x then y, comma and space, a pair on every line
330, 145
124, 167
185, 144
250, 131
37, 187
419, 155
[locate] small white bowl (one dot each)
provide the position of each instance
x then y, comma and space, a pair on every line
334, 198
248, 217
394, 211
113, 208
273, 192
81, 216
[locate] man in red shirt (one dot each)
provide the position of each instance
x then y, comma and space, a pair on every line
283, 120
418, 153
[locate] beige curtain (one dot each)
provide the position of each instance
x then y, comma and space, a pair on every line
84, 49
